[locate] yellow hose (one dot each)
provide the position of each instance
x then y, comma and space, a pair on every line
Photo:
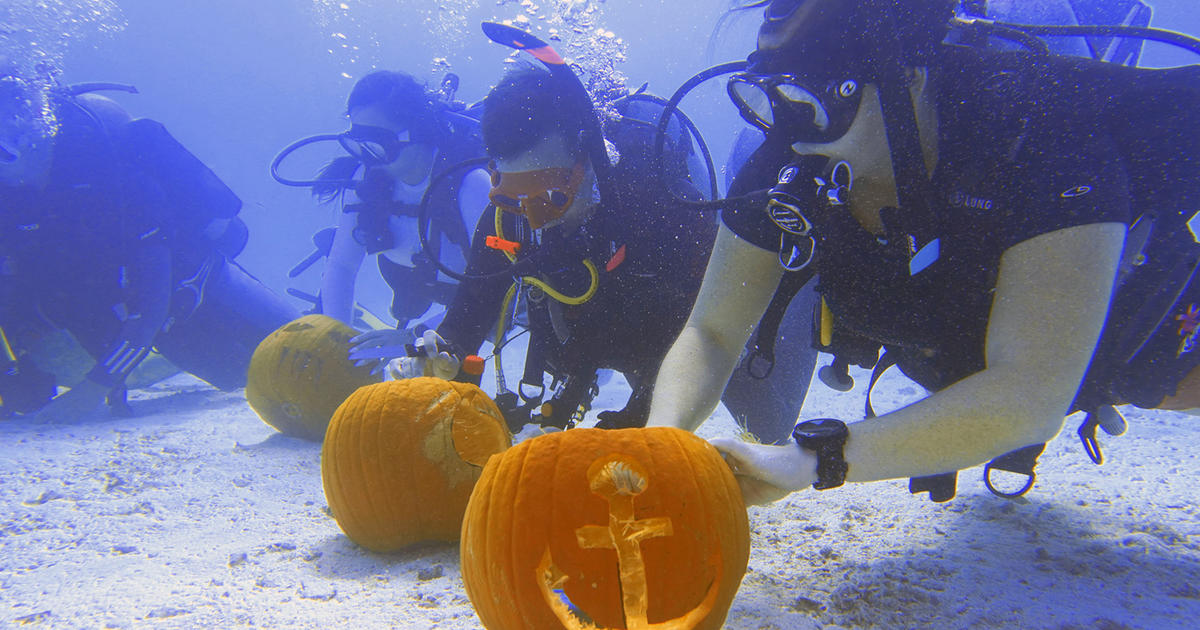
593, 283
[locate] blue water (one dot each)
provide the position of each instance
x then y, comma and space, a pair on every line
236, 80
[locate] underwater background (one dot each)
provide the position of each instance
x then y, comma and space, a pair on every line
235, 80
196, 514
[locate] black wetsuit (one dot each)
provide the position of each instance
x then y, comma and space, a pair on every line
650, 254
1012, 164
126, 247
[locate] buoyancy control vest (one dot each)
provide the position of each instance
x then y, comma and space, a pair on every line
1146, 348
640, 187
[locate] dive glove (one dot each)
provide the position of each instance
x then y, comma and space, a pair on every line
426, 358
378, 347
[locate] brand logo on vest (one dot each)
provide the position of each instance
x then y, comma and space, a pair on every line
971, 202
1077, 191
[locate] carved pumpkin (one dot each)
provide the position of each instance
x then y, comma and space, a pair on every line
592, 528
300, 374
400, 459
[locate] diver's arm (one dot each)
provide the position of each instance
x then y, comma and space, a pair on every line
473, 196
1051, 299
738, 285
341, 271
472, 314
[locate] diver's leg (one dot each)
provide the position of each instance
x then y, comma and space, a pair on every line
769, 407
236, 313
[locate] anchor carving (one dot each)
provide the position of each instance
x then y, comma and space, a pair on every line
619, 481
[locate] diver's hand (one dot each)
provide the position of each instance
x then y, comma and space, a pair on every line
378, 347
767, 472
73, 404
430, 360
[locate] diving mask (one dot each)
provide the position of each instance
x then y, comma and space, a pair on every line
410, 161
806, 110
541, 196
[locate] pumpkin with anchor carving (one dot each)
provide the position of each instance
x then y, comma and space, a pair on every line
401, 457
299, 374
588, 528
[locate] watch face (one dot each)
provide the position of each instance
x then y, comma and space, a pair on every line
824, 428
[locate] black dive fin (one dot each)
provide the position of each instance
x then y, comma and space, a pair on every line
765, 401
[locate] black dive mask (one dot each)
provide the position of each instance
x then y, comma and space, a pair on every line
371, 146
804, 110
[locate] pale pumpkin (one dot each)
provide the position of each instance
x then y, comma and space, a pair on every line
588, 528
300, 374
400, 459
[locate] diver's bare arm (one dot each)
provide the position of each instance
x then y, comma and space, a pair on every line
738, 285
1051, 299
341, 271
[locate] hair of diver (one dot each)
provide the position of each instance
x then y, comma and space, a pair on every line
736, 10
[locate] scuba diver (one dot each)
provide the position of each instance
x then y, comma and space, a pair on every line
606, 261
111, 230
971, 210
400, 135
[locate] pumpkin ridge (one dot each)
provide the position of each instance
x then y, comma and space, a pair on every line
514, 551
369, 456
726, 520
393, 407
338, 504
693, 479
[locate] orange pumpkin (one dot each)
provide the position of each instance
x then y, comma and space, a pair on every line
300, 374
400, 459
588, 528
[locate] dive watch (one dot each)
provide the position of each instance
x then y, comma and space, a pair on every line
826, 438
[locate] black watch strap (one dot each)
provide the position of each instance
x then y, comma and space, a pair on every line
826, 438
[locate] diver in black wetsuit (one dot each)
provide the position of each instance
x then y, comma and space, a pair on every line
112, 230
1014, 229
401, 136
617, 267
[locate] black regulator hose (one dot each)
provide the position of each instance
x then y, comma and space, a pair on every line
691, 129
1162, 35
672, 106
521, 267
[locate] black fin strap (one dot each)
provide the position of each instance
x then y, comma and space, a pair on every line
762, 352
1022, 462
886, 361
941, 487
1087, 435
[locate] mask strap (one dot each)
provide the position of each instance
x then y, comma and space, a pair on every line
913, 227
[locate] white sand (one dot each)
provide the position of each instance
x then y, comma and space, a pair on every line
195, 514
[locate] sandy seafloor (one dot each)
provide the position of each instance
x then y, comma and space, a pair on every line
195, 514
